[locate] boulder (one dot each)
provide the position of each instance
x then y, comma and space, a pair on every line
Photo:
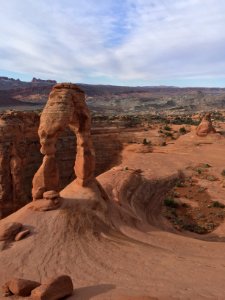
9, 230
54, 289
21, 287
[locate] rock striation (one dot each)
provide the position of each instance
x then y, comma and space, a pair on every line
205, 127
66, 107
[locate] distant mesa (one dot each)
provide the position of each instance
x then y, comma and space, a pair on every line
38, 80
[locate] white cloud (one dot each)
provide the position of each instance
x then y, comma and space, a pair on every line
111, 40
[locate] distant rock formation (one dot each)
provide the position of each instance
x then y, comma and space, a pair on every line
65, 107
38, 80
205, 127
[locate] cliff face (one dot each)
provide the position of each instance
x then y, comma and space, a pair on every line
20, 157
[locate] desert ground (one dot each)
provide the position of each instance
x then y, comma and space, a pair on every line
126, 240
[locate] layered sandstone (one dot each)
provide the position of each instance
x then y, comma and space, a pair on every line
65, 108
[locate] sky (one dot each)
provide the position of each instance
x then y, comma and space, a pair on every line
121, 42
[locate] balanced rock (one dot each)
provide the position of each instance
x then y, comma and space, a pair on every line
205, 127
54, 289
21, 287
8, 231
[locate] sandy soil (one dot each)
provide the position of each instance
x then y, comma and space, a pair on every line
114, 241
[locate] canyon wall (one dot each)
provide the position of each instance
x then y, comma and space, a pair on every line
20, 157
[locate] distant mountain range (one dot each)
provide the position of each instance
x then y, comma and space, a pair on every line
116, 99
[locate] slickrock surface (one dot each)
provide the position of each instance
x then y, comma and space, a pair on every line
108, 250
110, 235
206, 126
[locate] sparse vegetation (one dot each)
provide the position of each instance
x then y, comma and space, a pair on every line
167, 128
184, 214
182, 130
218, 204
170, 202
145, 142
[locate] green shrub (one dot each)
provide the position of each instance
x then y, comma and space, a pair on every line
218, 204
167, 128
169, 202
168, 134
145, 142
195, 228
182, 130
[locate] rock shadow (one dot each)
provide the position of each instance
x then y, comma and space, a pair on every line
86, 293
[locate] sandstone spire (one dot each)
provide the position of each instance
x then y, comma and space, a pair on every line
66, 107
205, 127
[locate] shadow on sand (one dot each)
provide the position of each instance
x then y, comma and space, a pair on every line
86, 293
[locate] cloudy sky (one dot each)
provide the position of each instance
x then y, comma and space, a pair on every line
125, 42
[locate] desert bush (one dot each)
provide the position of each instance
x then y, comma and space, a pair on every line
182, 130
194, 228
167, 128
218, 204
169, 202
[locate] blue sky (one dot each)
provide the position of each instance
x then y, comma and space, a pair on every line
123, 42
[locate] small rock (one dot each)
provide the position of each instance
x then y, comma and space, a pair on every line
54, 289
5, 290
9, 230
22, 234
22, 287
44, 205
51, 195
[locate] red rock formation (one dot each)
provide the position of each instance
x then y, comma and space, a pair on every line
20, 149
205, 127
65, 108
